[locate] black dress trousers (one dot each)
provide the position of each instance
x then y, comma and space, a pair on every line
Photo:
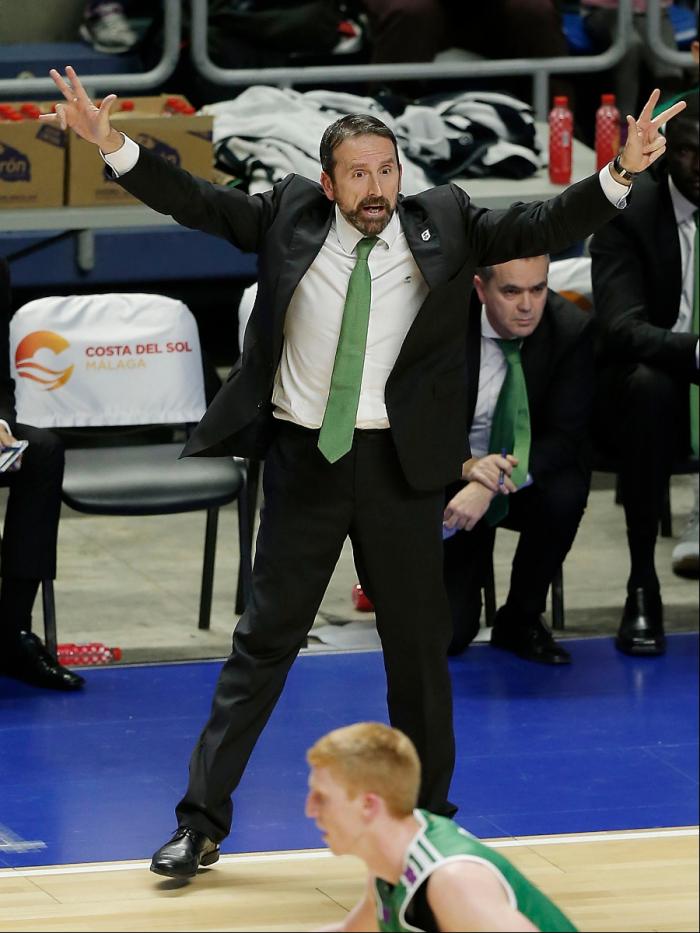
310, 506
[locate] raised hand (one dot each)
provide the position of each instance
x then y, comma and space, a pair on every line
80, 113
645, 144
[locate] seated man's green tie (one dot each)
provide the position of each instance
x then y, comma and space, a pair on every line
510, 430
335, 437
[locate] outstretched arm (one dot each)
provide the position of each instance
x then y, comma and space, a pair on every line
193, 202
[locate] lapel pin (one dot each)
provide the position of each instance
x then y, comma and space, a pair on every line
425, 236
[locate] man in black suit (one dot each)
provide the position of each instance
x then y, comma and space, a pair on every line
511, 303
30, 531
644, 276
364, 450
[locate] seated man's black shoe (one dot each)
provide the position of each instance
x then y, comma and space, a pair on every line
528, 637
187, 851
641, 631
29, 660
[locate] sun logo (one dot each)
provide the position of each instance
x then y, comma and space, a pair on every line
28, 368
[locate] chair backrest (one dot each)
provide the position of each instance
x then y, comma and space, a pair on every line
572, 279
111, 359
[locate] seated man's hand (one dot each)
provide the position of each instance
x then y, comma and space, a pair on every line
467, 508
487, 471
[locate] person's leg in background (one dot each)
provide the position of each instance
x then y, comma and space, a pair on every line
645, 429
547, 515
405, 30
28, 557
511, 29
466, 558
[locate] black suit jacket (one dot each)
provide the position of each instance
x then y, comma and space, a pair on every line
637, 285
7, 386
558, 365
426, 392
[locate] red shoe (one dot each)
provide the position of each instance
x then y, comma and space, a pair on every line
360, 601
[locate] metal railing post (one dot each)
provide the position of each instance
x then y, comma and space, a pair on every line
655, 41
540, 68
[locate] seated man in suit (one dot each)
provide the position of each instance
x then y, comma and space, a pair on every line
645, 291
530, 367
30, 532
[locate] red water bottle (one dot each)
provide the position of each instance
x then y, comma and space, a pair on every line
360, 600
93, 652
561, 141
607, 131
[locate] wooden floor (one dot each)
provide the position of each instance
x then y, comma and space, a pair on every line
632, 881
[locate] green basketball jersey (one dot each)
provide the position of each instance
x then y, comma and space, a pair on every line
439, 840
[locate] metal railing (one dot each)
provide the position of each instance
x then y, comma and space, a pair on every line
539, 68
127, 83
655, 41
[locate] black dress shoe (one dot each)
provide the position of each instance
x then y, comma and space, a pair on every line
184, 854
29, 661
641, 631
529, 638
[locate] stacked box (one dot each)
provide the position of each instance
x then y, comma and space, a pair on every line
166, 125
32, 158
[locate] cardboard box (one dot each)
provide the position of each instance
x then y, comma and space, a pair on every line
186, 140
32, 161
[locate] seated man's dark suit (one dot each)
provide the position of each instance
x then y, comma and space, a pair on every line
386, 493
30, 530
645, 371
557, 360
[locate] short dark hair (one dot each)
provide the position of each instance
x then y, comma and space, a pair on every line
355, 124
485, 273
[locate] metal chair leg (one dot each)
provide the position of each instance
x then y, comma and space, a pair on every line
208, 568
247, 507
666, 523
489, 588
49, 605
557, 593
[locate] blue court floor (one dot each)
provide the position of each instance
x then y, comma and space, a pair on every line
608, 743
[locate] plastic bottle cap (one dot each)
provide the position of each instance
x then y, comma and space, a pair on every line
561, 101
608, 99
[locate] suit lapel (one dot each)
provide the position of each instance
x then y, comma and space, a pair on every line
424, 242
307, 239
668, 248
473, 354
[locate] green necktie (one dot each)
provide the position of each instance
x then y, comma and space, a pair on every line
510, 430
694, 399
335, 437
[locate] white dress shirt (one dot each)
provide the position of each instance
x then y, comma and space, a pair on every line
313, 319
315, 313
684, 211
492, 374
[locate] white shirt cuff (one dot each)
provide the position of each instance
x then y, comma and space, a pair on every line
124, 159
613, 190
